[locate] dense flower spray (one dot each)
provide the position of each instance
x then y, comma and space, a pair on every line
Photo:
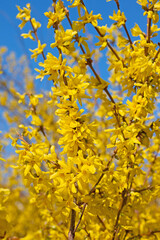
87, 151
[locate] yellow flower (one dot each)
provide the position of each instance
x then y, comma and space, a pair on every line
53, 66
55, 17
35, 24
24, 15
63, 39
119, 18
28, 35
38, 50
90, 18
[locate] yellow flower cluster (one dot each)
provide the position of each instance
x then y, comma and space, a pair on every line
85, 163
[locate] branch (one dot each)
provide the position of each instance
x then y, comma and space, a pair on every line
22, 139
101, 221
124, 26
72, 225
108, 44
123, 203
83, 209
143, 189
117, 2
129, 38
148, 34
35, 33
144, 235
125, 195
89, 62
149, 30
149, 20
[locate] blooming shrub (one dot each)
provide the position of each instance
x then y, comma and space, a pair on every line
86, 162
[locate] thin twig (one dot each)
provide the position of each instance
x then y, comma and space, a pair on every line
101, 221
148, 36
125, 195
72, 225
149, 30
109, 45
129, 38
99, 80
22, 139
117, 2
123, 203
124, 26
35, 33
143, 189
144, 235
83, 209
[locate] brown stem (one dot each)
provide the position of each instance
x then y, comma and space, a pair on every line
108, 44
35, 33
101, 221
148, 30
124, 26
113, 50
99, 80
41, 128
122, 204
139, 236
148, 34
117, 2
83, 209
72, 225
149, 20
94, 188
71, 233
144, 189
125, 195
101, 176
129, 38
22, 139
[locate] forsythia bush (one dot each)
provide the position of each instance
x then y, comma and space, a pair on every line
86, 162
